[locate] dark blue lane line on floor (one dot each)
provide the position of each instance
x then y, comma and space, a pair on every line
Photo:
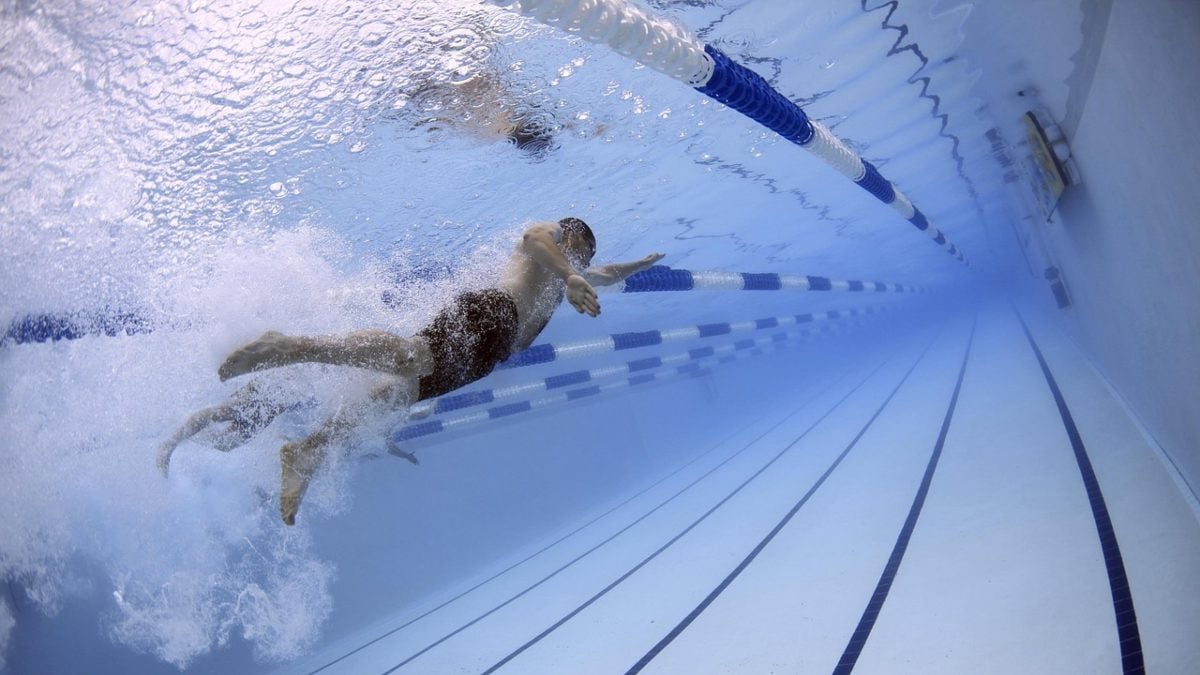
668, 500
737, 571
1127, 626
556, 542
859, 638
690, 527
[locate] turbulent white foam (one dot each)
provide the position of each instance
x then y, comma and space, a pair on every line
201, 556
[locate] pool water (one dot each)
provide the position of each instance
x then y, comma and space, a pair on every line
949, 482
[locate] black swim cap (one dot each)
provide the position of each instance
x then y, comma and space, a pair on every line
577, 226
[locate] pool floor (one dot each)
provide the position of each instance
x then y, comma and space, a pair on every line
931, 513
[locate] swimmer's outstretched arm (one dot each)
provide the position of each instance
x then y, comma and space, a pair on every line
606, 275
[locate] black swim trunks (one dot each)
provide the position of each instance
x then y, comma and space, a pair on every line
467, 339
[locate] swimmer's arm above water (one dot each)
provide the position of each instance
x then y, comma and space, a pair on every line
540, 242
606, 275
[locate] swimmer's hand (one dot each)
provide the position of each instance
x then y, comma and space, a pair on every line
607, 275
648, 262
582, 296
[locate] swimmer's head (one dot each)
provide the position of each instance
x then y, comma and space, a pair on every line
578, 243
533, 134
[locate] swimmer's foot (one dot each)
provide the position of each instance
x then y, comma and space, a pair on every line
404, 455
270, 349
298, 462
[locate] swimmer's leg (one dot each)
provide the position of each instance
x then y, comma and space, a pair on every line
194, 425
371, 349
247, 413
299, 460
254, 412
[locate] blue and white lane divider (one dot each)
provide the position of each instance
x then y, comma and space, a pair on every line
453, 402
74, 325
454, 422
671, 49
547, 352
56, 327
663, 278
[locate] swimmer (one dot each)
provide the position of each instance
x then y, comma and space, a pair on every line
462, 344
246, 413
484, 108
485, 96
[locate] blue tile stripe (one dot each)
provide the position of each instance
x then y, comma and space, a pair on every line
633, 523
741, 567
1128, 633
648, 559
617, 507
858, 638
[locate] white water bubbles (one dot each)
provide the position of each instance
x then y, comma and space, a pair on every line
200, 558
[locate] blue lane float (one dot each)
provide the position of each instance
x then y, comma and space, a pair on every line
470, 399
455, 422
661, 278
422, 429
669, 48
39, 328
547, 352
57, 327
